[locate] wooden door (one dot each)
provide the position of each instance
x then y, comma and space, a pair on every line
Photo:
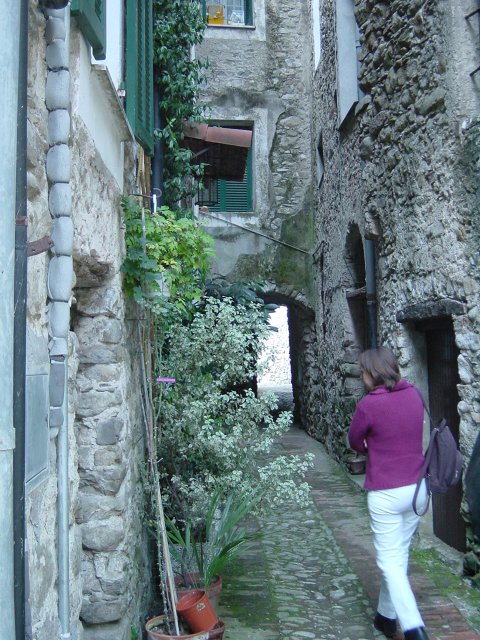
442, 354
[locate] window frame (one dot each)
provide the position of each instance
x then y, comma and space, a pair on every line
347, 37
248, 15
224, 185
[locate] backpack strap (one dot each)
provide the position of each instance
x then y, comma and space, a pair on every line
428, 455
425, 407
424, 475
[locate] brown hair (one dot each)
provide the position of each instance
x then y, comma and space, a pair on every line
381, 365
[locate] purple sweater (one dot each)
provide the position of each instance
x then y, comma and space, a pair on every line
391, 423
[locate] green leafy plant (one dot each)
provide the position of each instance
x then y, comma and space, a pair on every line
178, 27
134, 633
220, 540
167, 258
215, 433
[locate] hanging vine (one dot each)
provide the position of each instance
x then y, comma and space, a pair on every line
179, 26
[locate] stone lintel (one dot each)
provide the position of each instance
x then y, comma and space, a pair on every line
430, 309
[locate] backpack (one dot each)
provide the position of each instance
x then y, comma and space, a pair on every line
443, 463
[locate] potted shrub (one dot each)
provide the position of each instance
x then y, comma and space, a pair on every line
157, 628
212, 544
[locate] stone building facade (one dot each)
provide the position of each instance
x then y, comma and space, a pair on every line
365, 120
397, 209
74, 113
259, 77
364, 222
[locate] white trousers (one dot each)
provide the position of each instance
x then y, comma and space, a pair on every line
393, 523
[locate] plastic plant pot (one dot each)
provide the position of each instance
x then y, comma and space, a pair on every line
195, 609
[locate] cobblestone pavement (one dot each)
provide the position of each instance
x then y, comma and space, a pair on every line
313, 575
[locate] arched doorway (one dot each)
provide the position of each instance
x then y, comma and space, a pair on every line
303, 352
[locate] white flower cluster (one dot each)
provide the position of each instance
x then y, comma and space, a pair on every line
214, 431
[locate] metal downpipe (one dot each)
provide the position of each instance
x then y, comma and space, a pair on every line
60, 279
10, 38
157, 160
371, 286
22, 609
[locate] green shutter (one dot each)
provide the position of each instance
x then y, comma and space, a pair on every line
248, 9
234, 195
91, 18
139, 71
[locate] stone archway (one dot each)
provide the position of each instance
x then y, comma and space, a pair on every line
303, 354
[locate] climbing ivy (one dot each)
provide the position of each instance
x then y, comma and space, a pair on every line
179, 26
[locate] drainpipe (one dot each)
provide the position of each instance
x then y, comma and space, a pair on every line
9, 36
60, 278
22, 611
157, 160
371, 286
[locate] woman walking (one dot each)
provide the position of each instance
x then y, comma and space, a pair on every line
388, 426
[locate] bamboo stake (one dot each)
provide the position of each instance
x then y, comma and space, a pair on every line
151, 448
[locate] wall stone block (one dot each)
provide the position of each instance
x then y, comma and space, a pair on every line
100, 301
108, 456
103, 535
100, 612
99, 507
105, 480
109, 430
112, 631
96, 401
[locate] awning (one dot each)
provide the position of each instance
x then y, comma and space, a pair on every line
224, 151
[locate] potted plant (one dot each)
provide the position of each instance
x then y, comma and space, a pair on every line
213, 544
157, 628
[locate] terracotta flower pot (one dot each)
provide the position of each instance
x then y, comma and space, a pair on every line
190, 581
217, 632
155, 632
195, 609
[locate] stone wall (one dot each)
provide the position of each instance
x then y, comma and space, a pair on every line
109, 567
400, 171
262, 77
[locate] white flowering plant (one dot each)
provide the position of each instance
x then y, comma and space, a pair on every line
214, 433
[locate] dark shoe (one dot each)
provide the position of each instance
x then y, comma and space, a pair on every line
416, 634
387, 626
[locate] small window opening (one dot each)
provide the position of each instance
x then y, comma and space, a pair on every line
320, 161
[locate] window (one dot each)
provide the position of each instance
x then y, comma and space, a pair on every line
139, 71
348, 38
236, 196
320, 164
91, 18
229, 12
317, 30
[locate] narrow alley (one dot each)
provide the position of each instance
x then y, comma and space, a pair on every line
313, 574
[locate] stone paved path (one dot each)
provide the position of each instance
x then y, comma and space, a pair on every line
313, 575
